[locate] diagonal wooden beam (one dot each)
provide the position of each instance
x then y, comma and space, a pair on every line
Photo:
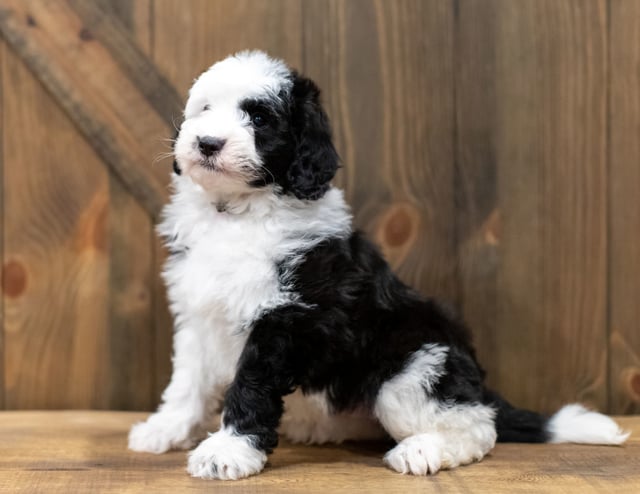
116, 101
109, 31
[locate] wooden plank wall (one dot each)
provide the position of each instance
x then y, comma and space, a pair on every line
490, 148
624, 204
549, 131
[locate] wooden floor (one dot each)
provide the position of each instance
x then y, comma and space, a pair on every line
75, 452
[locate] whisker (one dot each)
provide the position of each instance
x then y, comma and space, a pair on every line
161, 156
262, 167
173, 123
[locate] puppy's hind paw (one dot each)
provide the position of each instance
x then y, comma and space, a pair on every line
418, 455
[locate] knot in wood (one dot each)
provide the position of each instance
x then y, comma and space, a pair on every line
14, 279
400, 225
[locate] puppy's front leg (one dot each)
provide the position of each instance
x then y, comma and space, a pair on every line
253, 406
186, 403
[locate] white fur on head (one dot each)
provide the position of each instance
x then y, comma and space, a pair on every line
213, 109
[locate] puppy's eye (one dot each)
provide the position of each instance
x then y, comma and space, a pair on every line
259, 119
206, 108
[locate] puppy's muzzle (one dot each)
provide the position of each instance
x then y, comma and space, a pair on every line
209, 145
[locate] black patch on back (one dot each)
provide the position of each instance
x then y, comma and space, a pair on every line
363, 324
354, 325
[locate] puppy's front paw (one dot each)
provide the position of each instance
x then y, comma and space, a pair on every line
226, 456
161, 433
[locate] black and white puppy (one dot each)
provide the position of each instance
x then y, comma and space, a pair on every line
291, 320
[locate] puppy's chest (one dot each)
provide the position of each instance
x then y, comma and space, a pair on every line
226, 267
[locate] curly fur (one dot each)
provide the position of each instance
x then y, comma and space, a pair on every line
291, 321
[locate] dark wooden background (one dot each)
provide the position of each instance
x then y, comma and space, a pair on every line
491, 147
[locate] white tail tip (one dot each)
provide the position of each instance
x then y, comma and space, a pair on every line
575, 424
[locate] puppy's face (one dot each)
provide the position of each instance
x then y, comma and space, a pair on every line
250, 123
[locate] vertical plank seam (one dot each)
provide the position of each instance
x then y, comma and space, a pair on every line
303, 42
458, 282
2, 224
607, 203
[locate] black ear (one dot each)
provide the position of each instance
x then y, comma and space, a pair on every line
315, 161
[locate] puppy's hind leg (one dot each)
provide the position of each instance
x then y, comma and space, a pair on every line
432, 433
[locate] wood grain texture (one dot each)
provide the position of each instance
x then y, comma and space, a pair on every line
135, 16
149, 363
120, 363
477, 214
474, 141
131, 287
133, 266
51, 451
209, 31
551, 164
56, 262
162, 325
624, 214
91, 86
392, 110
118, 40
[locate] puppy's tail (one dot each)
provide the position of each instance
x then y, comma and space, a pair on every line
572, 424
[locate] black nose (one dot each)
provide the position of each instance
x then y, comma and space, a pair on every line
209, 145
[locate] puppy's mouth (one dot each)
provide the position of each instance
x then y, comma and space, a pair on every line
239, 169
211, 164
215, 165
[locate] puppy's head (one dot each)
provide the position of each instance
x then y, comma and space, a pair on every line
250, 123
